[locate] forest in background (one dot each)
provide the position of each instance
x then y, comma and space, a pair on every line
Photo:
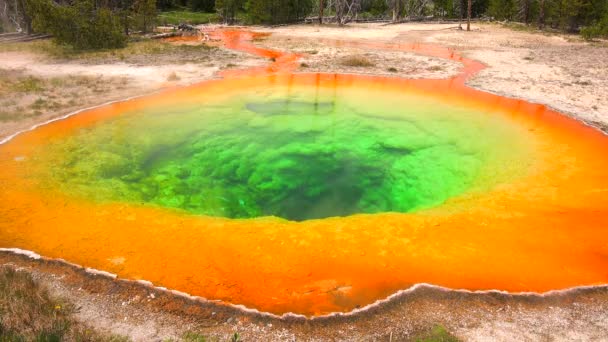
99, 24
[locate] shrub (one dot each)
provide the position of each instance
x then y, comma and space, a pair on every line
600, 29
79, 25
357, 61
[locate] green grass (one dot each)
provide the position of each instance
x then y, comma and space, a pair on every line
187, 17
436, 334
29, 313
29, 84
194, 337
198, 337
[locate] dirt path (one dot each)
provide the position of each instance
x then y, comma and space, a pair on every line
567, 74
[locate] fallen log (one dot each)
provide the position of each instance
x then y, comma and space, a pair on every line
166, 35
23, 38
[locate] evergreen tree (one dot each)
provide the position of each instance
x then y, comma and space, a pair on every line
502, 9
227, 9
163, 5
277, 11
145, 14
202, 5
599, 29
80, 25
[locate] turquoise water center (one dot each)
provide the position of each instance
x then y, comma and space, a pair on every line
295, 152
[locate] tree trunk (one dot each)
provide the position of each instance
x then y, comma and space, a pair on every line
320, 12
125, 21
470, 4
541, 14
461, 15
27, 20
338, 8
396, 11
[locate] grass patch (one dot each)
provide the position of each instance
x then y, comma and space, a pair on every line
436, 334
194, 337
187, 17
197, 337
516, 26
23, 96
39, 103
533, 28
29, 313
391, 69
357, 61
435, 68
19, 82
29, 85
143, 48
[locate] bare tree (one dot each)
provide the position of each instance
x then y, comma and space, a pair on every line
415, 8
460, 11
12, 14
524, 11
346, 10
412, 8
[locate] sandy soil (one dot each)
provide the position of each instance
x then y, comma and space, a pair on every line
560, 71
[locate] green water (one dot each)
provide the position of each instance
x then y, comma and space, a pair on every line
299, 155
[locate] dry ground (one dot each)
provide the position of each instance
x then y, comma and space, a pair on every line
561, 71
331, 55
38, 83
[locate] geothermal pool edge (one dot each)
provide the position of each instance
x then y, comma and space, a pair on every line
378, 304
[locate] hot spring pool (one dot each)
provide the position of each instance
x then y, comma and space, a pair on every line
314, 193
286, 148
